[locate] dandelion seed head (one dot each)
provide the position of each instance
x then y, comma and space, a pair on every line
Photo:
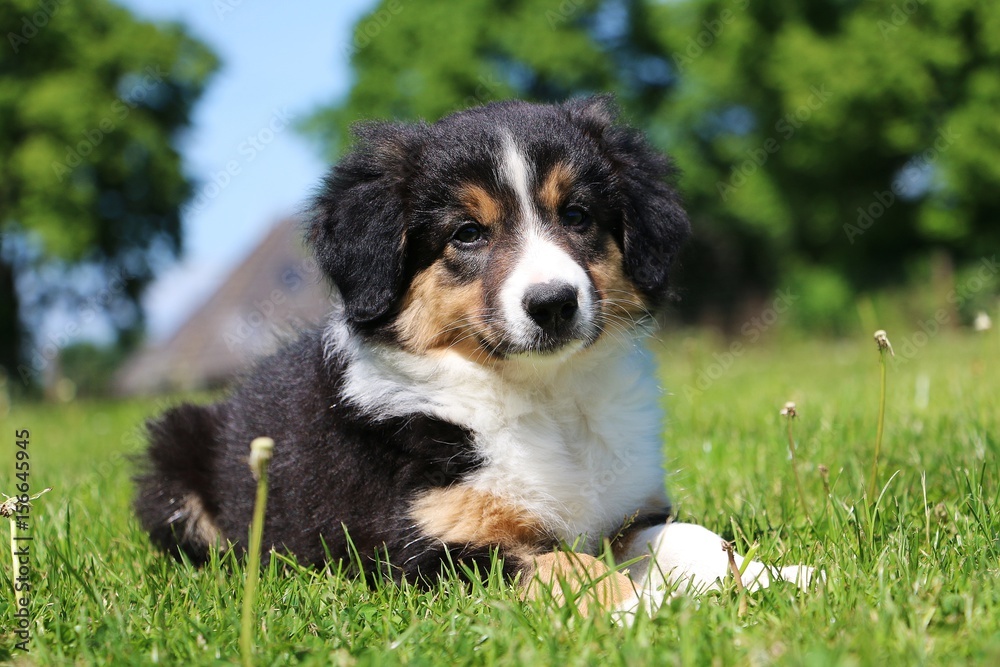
261, 450
882, 340
789, 410
7, 507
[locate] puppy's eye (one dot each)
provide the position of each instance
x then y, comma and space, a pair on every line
468, 234
575, 217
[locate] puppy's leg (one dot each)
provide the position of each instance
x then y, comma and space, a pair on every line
684, 557
588, 581
175, 499
475, 524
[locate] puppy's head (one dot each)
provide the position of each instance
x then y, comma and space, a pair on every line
500, 231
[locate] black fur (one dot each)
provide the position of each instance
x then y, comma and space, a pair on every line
359, 219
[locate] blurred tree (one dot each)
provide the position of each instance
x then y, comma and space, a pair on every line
426, 59
91, 101
828, 147
90, 367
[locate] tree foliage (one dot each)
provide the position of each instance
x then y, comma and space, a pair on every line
91, 104
828, 147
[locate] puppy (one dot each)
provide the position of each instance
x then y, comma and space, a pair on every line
481, 388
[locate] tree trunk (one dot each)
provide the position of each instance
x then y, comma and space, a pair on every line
11, 334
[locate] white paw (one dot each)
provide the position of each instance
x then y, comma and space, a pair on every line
683, 558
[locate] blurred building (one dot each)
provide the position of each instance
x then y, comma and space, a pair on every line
276, 292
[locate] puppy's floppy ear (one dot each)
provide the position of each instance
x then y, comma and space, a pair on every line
357, 226
654, 224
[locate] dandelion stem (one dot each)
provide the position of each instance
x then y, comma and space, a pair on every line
824, 474
737, 579
14, 558
795, 470
10, 508
873, 487
883, 344
789, 412
260, 457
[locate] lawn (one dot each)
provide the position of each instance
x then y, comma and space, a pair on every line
913, 582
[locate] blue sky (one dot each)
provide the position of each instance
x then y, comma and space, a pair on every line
279, 62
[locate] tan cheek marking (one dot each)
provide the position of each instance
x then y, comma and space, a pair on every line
480, 204
437, 314
621, 297
591, 582
462, 515
556, 187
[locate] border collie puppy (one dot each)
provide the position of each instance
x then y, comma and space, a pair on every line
481, 385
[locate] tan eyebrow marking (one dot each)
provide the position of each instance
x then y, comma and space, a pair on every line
556, 186
480, 204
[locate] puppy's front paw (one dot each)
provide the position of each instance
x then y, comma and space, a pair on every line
686, 558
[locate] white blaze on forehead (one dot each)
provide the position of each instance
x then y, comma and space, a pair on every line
516, 171
542, 261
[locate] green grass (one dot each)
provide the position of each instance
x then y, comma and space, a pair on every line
914, 583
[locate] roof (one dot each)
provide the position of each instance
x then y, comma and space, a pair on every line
277, 291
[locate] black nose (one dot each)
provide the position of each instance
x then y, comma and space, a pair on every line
551, 305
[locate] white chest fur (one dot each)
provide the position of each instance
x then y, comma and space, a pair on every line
574, 442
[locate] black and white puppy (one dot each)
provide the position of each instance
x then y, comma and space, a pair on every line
481, 385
